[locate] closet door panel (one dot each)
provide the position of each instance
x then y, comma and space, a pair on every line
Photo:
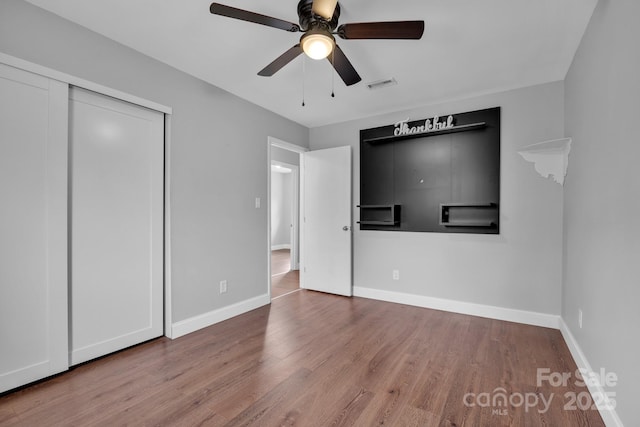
116, 224
33, 227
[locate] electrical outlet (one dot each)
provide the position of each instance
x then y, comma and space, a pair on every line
396, 274
258, 203
580, 318
223, 286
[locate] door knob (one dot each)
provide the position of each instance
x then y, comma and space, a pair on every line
345, 228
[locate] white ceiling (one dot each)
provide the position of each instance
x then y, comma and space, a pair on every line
469, 48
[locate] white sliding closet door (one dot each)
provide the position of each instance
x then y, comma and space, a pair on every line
116, 154
33, 227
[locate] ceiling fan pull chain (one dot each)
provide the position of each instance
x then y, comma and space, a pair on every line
303, 70
333, 74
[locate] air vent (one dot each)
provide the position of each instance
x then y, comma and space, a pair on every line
382, 83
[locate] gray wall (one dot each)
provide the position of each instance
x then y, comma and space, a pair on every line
218, 154
281, 208
518, 269
602, 199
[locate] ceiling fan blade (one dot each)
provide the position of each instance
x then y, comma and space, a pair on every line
324, 8
281, 61
345, 70
412, 30
244, 15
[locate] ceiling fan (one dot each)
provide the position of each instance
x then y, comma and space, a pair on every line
319, 23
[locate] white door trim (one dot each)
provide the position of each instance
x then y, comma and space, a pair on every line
168, 325
275, 142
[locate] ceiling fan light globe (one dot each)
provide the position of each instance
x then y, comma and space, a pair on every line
317, 45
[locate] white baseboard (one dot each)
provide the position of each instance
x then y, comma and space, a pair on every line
193, 324
609, 416
278, 247
491, 312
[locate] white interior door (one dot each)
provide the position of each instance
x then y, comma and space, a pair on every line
116, 224
33, 227
326, 254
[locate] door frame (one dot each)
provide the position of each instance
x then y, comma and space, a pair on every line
275, 142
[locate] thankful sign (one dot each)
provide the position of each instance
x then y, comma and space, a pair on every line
430, 125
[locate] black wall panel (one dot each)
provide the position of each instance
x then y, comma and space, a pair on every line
445, 180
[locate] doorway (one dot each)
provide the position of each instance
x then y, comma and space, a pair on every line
324, 207
284, 227
284, 217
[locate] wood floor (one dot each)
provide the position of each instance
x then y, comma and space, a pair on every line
311, 359
283, 279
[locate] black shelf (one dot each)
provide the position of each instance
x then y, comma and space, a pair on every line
460, 128
481, 215
385, 215
469, 224
379, 222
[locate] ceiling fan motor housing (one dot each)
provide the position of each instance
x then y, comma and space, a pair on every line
309, 20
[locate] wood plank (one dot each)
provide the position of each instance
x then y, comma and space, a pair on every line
265, 410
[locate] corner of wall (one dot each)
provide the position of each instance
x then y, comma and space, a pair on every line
603, 400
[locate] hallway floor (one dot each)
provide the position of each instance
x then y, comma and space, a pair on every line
283, 280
